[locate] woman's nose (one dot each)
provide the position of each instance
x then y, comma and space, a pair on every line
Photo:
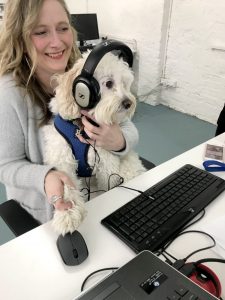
55, 39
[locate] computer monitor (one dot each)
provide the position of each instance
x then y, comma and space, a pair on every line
86, 26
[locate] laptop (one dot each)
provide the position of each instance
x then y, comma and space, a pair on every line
146, 277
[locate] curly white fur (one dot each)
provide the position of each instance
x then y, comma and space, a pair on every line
68, 220
110, 109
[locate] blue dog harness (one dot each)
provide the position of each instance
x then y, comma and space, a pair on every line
69, 131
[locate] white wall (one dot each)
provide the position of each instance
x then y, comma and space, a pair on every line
196, 27
78, 6
175, 40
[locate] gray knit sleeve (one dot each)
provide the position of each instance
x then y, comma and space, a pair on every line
20, 164
130, 134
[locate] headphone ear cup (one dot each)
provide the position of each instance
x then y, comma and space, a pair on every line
86, 91
95, 93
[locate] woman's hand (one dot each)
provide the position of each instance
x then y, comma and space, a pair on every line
109, 137
54, 186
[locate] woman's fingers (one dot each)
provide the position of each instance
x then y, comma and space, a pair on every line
54, 188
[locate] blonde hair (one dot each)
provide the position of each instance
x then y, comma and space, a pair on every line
17, 54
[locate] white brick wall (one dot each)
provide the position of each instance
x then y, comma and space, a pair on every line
194, 28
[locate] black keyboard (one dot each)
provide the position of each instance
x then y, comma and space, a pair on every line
154, 217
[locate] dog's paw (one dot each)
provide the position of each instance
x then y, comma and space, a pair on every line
69, 220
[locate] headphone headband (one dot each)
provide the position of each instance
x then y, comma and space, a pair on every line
101, 49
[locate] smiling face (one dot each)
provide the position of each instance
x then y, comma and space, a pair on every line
52, 39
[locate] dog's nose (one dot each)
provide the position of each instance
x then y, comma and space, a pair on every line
126, 103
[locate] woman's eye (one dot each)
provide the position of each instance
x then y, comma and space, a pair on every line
40, 33
109, 84
63, 29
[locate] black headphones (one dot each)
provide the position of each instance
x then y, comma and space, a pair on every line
86, 89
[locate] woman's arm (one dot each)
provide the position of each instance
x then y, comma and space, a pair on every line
20, 158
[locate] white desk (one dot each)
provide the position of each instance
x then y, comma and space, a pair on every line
31, 267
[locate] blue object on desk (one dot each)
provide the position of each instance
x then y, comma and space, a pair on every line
214, 166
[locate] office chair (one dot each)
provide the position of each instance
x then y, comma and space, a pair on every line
17, 218
20, 221
146, 163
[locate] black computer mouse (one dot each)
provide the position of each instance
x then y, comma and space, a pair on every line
72, 248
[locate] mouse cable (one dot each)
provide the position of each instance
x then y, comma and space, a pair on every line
97, 271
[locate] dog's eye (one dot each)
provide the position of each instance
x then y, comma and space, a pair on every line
109, 84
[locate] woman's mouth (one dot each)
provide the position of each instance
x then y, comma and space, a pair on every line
56, 55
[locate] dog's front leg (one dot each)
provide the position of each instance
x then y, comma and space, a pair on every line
59, 154
69, 220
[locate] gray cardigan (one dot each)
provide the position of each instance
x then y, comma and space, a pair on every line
21, 150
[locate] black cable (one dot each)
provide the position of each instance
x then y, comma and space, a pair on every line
93, 146
190, 224
173, 257
163, 251
88, 193
203, 260
121, 180
88, 184
195, 221
201, 249
167, 259
100, 270
196, 251
141, 192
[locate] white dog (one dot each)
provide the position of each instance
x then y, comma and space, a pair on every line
116, 104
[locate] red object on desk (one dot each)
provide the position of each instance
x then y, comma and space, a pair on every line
207, 279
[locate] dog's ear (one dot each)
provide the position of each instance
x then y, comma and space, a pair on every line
64, 100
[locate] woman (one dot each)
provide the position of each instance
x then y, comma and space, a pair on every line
37, 41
